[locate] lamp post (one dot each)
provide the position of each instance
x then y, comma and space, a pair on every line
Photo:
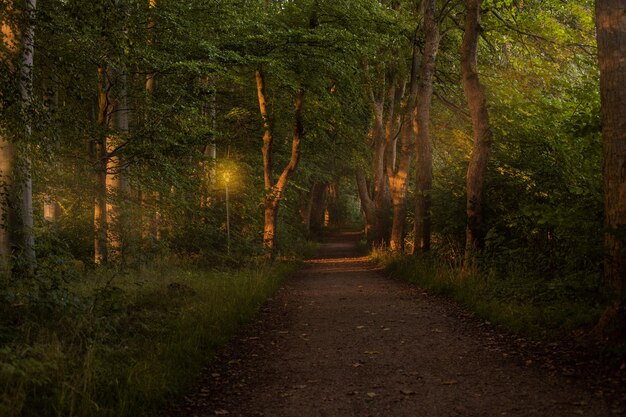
226, 181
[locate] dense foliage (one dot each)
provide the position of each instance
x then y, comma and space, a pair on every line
143, 139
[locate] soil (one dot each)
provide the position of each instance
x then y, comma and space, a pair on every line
343, 339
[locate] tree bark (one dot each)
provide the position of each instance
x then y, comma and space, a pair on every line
51, 207
150, 230
7, 157
317, 204
113, 118
398, 177
397, 163
421, 121
477, 103
376, 199
25, 184
101, 254
17, 204
274, 191
7, 151
611, 35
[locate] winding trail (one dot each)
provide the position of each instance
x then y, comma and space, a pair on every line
342, 339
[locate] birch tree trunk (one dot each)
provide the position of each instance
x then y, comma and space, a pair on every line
423, 146
477, 103
611, 35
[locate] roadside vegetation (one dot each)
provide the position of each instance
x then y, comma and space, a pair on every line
533, 306
123, 343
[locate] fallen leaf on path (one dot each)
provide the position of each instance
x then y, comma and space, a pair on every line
449, 382
360, 327
220, 412
371, 352
386, 329
407, 392
371, 394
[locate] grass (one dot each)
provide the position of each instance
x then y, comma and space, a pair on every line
521, 302
122, 345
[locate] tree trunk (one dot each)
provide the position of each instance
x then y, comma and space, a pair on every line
611, 34
398, 184
376, 199
17, 204
208, 167
477, 103
151, 226
101, 255
7, 152
397, 163
317, 203
7, 159
274, 191
25, 193
423, 147
367, 204
269, 227
113, 117
51, 207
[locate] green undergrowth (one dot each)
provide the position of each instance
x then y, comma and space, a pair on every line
121, 344
520, 301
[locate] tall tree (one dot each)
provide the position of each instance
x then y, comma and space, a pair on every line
25, 184
101, 224
18, 227
398, 161
7, 151
274, 191
611, 34
423, 146
477, 104
375, 196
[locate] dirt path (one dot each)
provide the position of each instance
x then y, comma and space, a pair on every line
341, 339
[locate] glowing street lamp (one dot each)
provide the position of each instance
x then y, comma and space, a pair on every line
226, 176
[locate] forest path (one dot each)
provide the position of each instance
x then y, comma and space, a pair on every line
342, 339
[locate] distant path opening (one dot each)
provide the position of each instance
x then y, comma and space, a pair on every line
342, 339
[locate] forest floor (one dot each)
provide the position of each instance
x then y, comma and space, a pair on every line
342, 339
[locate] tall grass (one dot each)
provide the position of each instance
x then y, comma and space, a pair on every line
521, 301
122, 345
